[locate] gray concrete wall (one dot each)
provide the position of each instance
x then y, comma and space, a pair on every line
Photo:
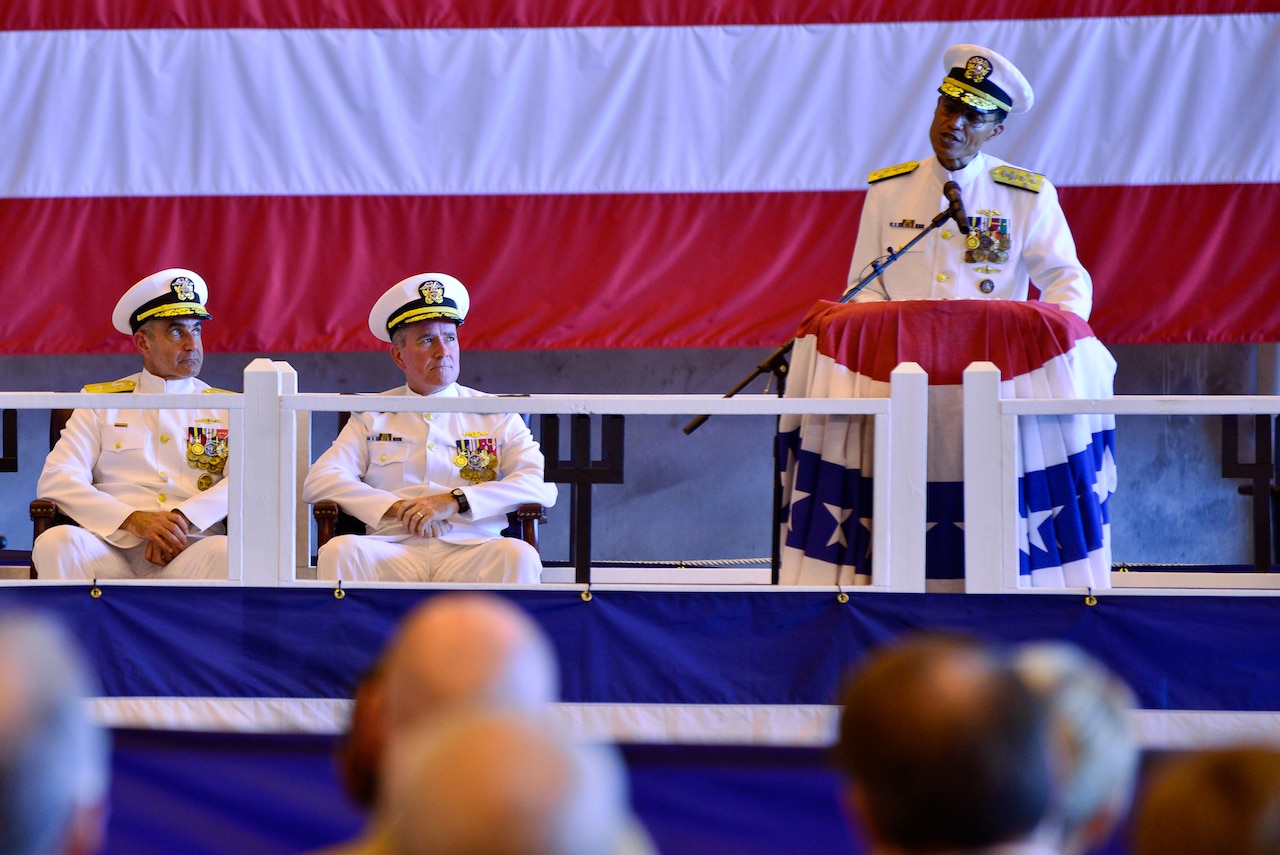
708, 495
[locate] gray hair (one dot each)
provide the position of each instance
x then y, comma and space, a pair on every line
53, 760
1096, 752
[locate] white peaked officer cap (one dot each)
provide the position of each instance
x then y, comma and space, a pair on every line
424, 297
985, 80
172, 293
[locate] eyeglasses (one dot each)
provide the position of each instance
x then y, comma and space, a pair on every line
970, 118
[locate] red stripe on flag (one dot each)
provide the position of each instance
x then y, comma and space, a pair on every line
344, 14
286, 273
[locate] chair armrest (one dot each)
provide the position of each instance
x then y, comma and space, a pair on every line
43, 512
326, 517
528, 517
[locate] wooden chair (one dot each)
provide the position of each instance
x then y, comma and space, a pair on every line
332, 521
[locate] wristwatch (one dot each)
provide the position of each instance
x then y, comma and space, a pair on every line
463, 504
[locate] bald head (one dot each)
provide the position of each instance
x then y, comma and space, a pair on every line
486, 785
465, 648
489, 782
945, 745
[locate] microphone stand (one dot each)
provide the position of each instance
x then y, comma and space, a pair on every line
776, 362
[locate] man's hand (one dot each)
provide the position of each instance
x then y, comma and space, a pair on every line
425, 516
164, 531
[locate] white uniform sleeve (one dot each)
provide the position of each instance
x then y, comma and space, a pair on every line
67, 478
1050, 256
338, 476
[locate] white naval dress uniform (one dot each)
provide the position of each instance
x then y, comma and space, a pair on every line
109, 463
1041, 247
380, 458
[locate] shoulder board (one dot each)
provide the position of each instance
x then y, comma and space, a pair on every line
1015, 177
215, 391
112, 386
892, 171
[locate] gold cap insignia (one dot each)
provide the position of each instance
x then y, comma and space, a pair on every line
432, 292
977, 68
184, 289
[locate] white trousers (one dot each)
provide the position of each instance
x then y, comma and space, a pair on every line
71, 552
366, 558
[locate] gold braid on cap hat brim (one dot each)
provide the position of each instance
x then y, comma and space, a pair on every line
975, 98
173, 310
423, 314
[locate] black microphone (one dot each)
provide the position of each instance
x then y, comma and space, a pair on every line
952, 191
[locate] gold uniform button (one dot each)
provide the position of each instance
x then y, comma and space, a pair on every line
164, 474
428, 416
431, 446
942, 277
383, 458
164, 437
162, 497
946, 235
119, 445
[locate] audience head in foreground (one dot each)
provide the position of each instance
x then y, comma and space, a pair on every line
1219, 802
469, 655
54, 762
946, 749
455, 649
503, 783
1093, 750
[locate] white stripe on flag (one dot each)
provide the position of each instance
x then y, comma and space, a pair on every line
626, 109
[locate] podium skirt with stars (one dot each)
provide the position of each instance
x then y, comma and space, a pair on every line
1066, 466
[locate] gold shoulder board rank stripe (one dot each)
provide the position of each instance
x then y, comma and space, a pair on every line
215, 391
892, 171
1015, 177
111, 386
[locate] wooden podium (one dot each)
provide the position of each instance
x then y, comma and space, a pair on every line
1066, 468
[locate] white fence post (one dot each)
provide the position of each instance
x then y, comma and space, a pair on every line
292, 470
905, 477
990, 485
257, 510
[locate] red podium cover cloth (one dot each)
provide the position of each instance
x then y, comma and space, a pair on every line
1066, 464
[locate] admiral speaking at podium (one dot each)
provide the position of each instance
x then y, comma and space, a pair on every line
1016, 232
946, 252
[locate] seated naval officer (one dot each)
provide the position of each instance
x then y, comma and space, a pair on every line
1017, 231
146, 486
433, 489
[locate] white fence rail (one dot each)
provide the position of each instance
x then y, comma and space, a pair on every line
990, 472
269, 527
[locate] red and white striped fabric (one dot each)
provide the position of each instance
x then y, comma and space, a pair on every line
602, 174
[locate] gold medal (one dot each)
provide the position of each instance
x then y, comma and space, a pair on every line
972, 241
204, 482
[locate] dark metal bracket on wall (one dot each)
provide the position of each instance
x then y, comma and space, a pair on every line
9, 441
581, 472
1261, 473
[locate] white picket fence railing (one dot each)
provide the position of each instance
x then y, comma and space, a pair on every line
269, 527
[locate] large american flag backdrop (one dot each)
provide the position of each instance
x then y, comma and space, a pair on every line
603, 173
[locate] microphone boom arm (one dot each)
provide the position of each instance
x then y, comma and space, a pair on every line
776, 362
